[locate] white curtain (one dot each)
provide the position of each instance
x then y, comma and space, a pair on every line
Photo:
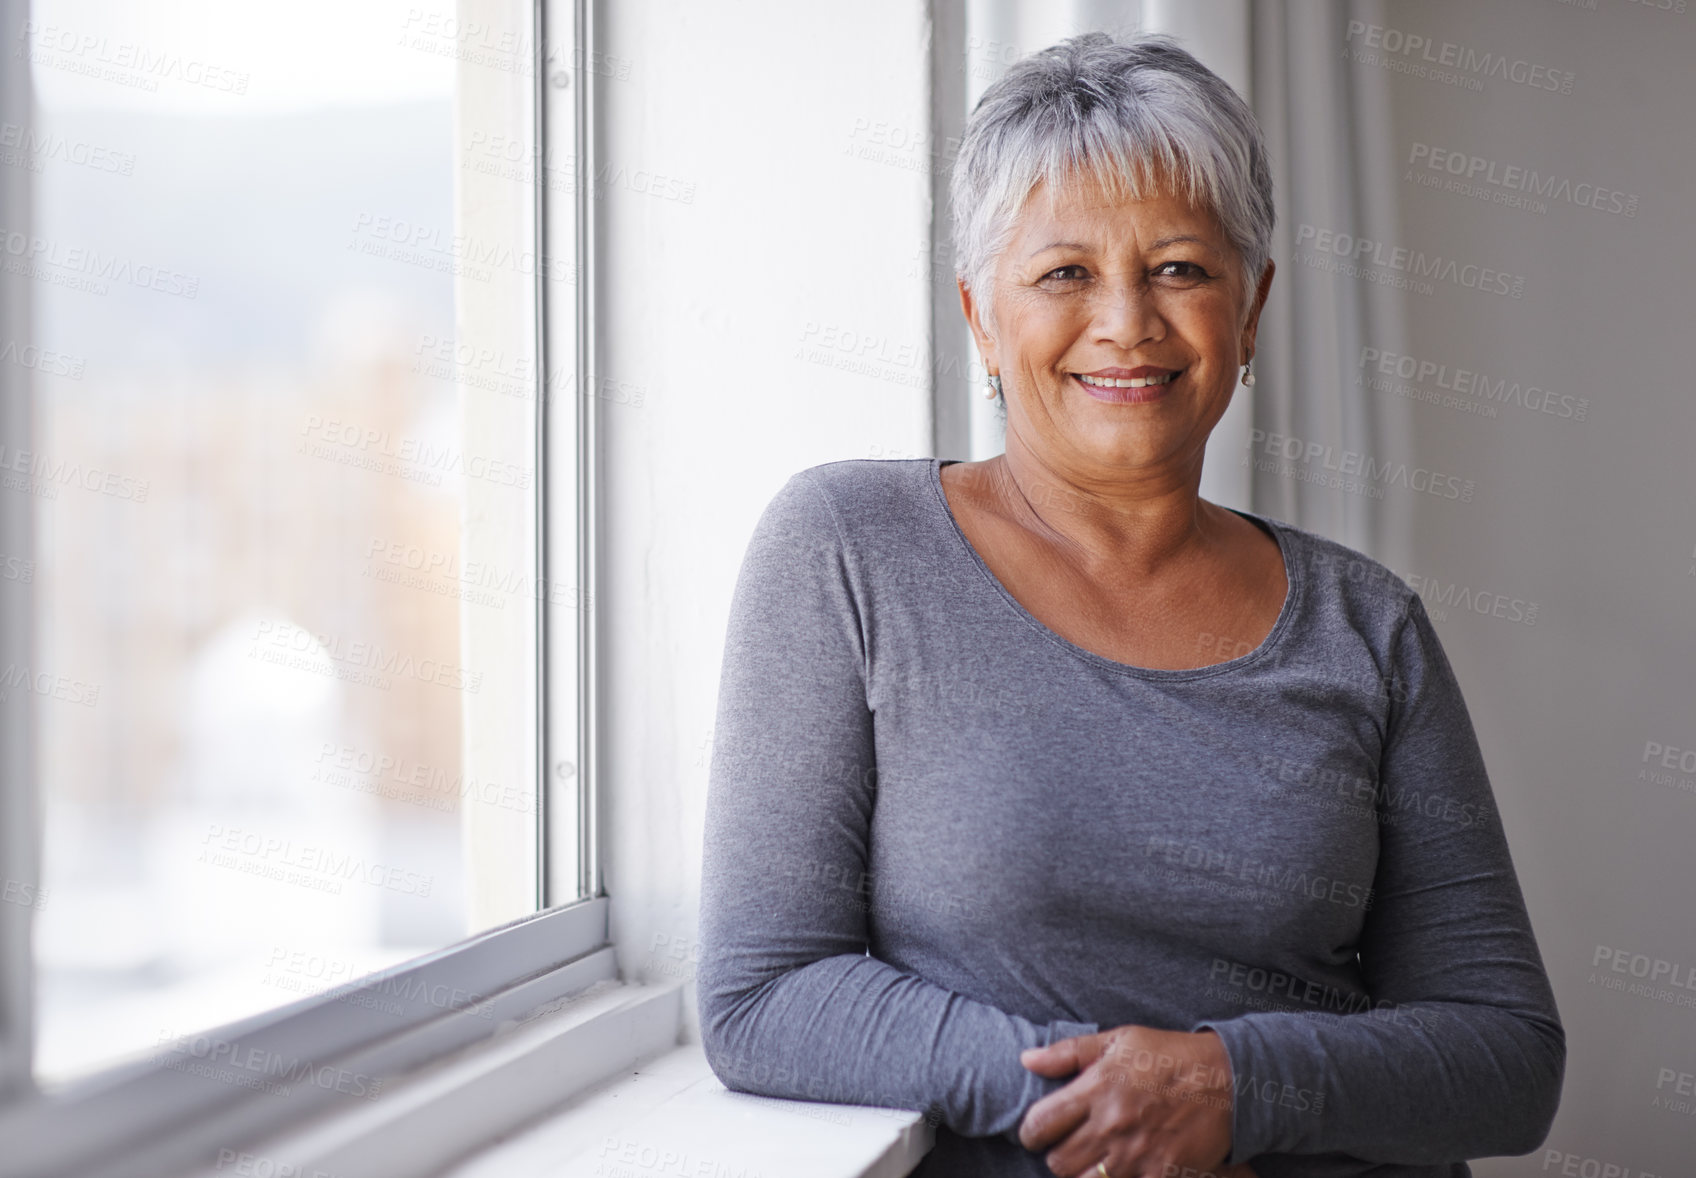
1328, 130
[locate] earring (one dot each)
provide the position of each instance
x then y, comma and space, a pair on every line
992, 390
1248, 374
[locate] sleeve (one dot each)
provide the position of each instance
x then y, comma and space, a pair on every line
791, 1003
1463, 1053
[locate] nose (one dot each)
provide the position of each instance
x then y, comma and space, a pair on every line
1126, 315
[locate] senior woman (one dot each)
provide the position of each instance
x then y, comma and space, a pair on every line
1124, 834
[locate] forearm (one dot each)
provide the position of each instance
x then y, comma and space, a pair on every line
1427, 1082
852, 1029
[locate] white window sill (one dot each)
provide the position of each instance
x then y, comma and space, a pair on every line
592, 1083
671, 1117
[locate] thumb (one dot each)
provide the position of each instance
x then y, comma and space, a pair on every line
1060, 1058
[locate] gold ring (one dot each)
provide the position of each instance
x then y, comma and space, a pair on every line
1101, 1168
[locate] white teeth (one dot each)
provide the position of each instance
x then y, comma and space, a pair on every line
1106, 382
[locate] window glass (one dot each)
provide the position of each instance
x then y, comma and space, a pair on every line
250, 472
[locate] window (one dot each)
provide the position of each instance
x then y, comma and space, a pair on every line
295, 503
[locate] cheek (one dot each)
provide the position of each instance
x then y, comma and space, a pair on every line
1207, 333
1048, 328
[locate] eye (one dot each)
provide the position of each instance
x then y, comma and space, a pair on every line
1186, 270
1065, 273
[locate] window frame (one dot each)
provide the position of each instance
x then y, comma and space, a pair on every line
178, 1107
568, 434
20, 823
150, 1117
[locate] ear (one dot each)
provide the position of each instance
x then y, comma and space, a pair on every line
973, 310
1251, 325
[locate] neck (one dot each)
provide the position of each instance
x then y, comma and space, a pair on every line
1136, 522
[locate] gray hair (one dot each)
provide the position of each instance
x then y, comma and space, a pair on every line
1116, 110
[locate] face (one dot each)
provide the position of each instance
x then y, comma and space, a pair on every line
1092, 293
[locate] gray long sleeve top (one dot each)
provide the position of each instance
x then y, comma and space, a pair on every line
938, 833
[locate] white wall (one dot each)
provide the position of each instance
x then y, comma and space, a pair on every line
1592, 520
772, 321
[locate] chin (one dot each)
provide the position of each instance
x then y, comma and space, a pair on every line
1126, 449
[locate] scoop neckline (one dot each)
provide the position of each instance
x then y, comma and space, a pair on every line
1281, 535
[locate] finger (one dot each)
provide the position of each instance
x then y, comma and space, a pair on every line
1053, 1118
1060, 1058
1091, 1143
1050, 1062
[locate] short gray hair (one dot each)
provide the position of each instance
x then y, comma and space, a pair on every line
1116, 110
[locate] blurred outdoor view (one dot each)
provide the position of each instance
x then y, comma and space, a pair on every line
249, 474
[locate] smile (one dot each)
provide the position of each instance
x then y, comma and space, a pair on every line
1136, 382
1127, 390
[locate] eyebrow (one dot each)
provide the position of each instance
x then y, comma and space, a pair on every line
1162, 243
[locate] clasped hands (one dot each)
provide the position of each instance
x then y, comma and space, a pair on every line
1144, 1104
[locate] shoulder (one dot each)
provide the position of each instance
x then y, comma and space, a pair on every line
876, 483
1347, 585
862, 497
841, 529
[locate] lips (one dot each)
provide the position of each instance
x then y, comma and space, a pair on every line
1152, 385
1142, 376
